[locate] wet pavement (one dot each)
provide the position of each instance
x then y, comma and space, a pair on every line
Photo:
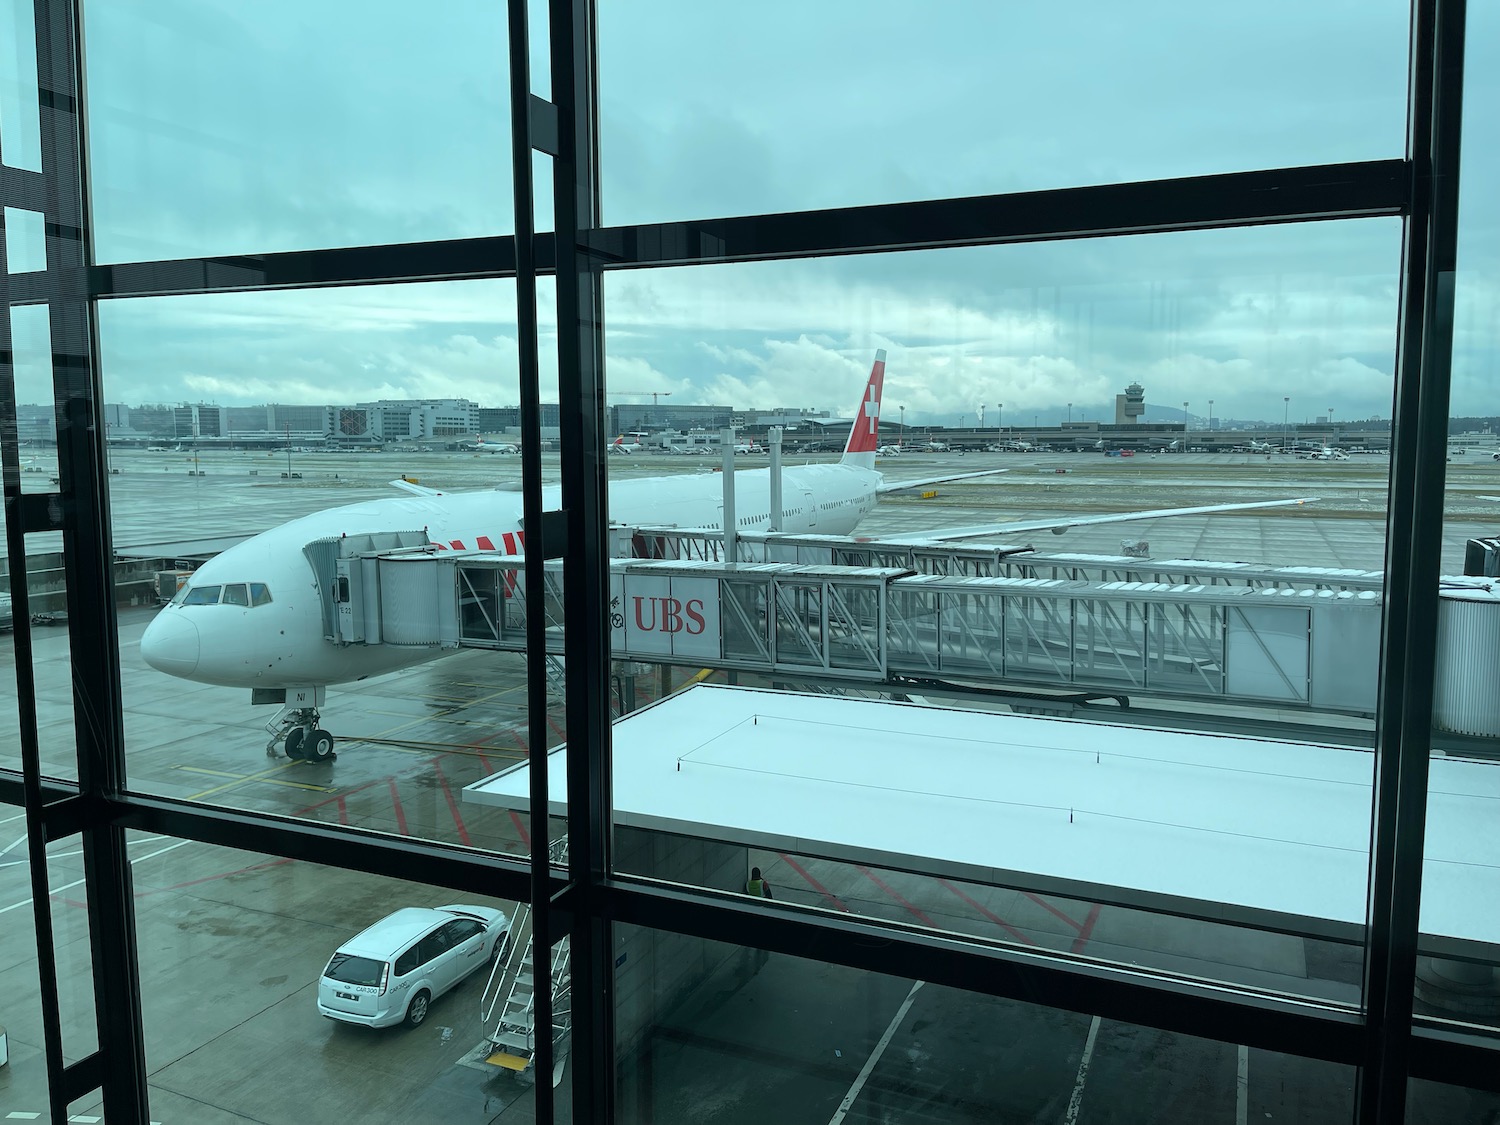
232, 943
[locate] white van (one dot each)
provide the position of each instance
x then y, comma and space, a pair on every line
393, 971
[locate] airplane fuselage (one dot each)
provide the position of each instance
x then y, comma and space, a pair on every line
280, 643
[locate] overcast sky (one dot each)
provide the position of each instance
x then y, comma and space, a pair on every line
219, 127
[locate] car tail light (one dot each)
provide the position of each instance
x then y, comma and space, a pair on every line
385, 976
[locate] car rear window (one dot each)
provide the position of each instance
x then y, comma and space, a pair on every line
349, 969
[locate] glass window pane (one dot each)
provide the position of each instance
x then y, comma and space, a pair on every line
25, 241
23, 1083
20, 113
1458, 975
854, 103
785, 1038
298, 410
216, 128
1096, 705
1437, 1103
256, 933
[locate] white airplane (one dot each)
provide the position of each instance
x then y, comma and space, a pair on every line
1260, 446
1325, 453
620, 445
747, 447
889, 451
252, 616
484, 445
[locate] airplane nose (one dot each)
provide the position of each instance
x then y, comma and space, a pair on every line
170, 644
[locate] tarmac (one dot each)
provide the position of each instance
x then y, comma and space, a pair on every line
232, 943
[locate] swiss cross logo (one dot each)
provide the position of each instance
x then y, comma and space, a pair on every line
872, 408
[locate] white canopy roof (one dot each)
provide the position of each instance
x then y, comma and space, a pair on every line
1255, 823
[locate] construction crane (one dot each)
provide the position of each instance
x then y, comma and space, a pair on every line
655, 395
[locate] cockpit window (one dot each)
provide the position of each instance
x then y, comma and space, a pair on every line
202, 595
260, 594
236, 595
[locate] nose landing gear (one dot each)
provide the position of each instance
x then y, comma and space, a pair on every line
297, 728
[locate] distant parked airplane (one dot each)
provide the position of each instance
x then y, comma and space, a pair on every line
484, 445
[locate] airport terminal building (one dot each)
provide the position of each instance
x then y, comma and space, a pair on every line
828, 789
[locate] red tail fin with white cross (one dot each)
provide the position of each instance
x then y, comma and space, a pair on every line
864, 435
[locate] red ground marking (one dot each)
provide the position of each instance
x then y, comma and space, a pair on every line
343, 812
993, 917
557, 730
888, 889
521, 742
1086, 931
484, 764
463, 833
211, 878
1047, 906
521, 828
813, 883
305, 809
70, 902
396, 801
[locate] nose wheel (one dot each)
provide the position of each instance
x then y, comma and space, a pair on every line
301, 737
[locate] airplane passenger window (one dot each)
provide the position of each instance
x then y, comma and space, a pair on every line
260, 594
236, 595
202, 595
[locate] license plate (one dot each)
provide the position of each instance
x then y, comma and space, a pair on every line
346, 996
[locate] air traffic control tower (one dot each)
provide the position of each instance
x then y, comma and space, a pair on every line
1130, 405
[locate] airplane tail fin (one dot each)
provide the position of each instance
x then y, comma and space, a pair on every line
864, 435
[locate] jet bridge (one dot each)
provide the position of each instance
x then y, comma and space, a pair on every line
1291, 638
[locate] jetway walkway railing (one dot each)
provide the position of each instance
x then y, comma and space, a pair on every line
981, 560
1312, 646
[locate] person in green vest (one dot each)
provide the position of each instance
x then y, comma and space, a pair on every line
756, 886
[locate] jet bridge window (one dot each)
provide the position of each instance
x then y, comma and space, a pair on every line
260, 594
236, 595
202, 595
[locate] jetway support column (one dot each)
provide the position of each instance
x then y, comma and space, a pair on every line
773, 439
731, 548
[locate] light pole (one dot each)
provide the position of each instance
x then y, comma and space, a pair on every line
901, 441
1070, 413
999, 421
1210, 414
1286, 405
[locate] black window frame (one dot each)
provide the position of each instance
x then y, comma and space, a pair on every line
1387, 1041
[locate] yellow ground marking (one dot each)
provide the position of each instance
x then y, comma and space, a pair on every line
383, 739
510, 1062
701, 676
241, 779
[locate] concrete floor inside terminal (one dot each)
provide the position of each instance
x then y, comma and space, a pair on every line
232, 943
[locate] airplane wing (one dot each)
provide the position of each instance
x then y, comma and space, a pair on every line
1058, 525
415, 489
897, 486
